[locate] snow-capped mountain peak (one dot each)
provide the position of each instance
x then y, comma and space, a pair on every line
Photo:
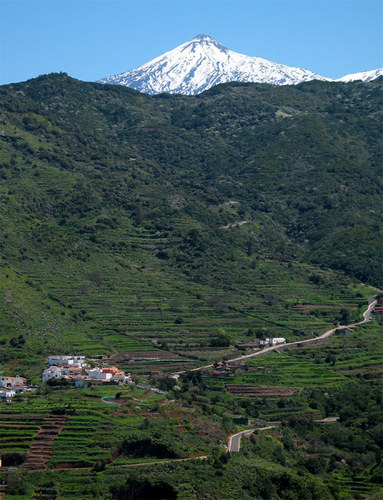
205, 39
202, 62
364, 76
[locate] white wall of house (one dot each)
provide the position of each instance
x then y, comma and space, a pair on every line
98, 374
125, 379
8, 393
273, 341
52, 372
278, 340
66, 360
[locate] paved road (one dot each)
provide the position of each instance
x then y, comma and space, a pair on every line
234, 441
299, 343
328, 419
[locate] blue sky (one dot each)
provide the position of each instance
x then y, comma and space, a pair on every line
91, 39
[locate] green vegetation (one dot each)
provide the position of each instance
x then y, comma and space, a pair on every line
113, 204
136, 448
161, 231
333, 364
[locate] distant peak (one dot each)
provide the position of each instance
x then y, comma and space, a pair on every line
202, 36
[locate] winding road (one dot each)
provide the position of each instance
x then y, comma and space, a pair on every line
300, 343
234, 441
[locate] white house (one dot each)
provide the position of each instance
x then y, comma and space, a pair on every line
272, 341
52, 372
7, 393
77, 360
277, 340
66, 360
99, 374
12, 381
124, 379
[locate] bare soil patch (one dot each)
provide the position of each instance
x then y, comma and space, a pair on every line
260, 391
158, 354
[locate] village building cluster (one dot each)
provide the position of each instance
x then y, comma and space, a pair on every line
222, 369
10, 386
75, 369
259, 343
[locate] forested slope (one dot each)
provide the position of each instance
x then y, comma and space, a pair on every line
123, 213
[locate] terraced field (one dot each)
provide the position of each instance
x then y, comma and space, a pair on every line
84, 440
125, 307
258, 391
343, 356
76, 429
41, 448
356, 488
17, 432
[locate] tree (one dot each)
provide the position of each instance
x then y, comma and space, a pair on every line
221, 340
20, 482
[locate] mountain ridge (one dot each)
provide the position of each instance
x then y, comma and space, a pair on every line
203, 62
364, 76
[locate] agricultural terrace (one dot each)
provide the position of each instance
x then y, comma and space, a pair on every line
341, 359
95, 431
145, 309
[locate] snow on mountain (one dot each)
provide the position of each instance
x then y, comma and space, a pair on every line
203, 62
200, 64
365, 76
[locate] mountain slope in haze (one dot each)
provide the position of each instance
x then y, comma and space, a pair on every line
202, 62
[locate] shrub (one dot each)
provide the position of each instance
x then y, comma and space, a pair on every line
19, 482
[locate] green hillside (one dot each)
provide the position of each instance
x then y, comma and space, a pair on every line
161, 231
131, 222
